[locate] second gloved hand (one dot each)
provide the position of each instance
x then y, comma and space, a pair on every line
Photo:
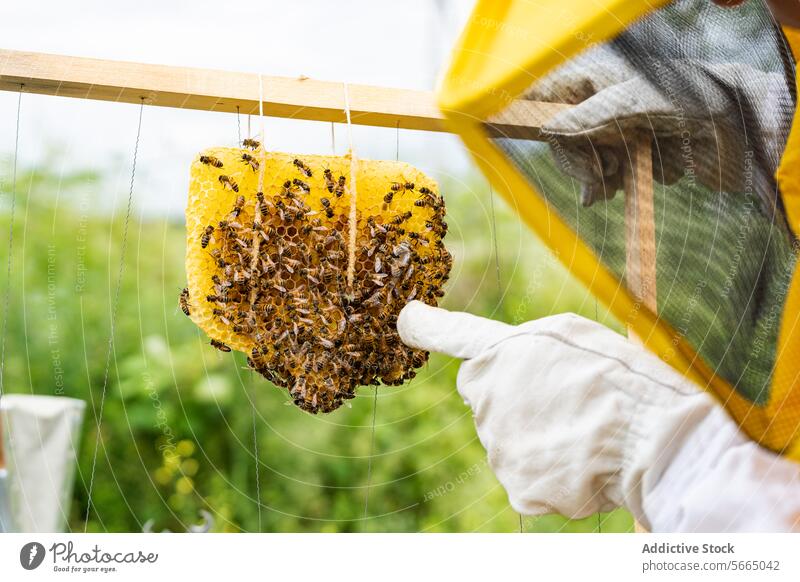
705, 121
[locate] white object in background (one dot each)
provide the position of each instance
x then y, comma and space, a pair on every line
6, 523
41, 435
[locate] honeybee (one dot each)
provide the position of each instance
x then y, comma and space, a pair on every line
402, 186
302, 185
385, 312
220, 346
328, 275
183, 301
375, 299
228, 183
268, 309
251, 143
237, 206
402, 251
302, 167
288, 262
242, 328
262, 204
420, 202
206, 238
375, 229
229, 226
266, 231
339, 191
401, 218
223, 315
248, 159
220, 284
326, 204
217, 255
218, 299
329, 183
211, 161
240, 277
377, 247
430, 199
388, 197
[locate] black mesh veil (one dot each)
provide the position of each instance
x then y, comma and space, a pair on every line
713, 90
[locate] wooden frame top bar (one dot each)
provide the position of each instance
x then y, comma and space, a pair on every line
210, 90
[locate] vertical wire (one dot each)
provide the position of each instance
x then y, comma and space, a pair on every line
261, 108
494, 242
333, 138
7, 297
596, 318
594, 217
371, 452
114, 307
499, 281
238, 126
255, 447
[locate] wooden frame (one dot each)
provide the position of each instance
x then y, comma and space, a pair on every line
640, 224
211, 90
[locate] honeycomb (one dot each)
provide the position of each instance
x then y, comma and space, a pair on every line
267, 259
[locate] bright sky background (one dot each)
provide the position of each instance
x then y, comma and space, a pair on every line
379, 42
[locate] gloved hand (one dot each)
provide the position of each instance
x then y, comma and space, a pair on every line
576, 419
711, 123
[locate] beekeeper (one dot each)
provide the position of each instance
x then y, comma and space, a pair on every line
576, 419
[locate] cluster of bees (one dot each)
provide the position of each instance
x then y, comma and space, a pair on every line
279, 285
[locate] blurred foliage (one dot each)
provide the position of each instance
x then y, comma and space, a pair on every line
177, 432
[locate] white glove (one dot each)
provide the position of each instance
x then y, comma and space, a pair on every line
696, 116
576, 419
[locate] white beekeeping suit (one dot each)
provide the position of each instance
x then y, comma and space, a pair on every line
576, 419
